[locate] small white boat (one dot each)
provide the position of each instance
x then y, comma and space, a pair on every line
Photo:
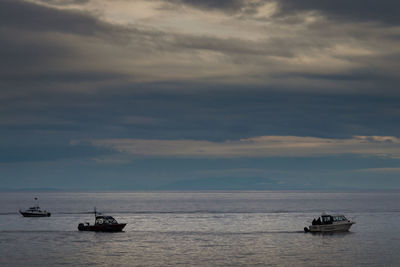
35, 211
329, 223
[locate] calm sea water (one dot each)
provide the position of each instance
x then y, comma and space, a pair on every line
201, 229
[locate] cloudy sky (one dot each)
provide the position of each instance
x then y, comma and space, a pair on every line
199, 94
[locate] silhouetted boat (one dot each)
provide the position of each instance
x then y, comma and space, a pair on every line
35, 211
329, 223
102, 224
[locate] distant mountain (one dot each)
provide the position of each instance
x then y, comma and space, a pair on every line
228, 183
36, 189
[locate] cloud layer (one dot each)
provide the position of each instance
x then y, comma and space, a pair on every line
94, 82
263, 146
283, 44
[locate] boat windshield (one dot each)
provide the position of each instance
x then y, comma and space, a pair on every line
105, 220
326, 219
339, 218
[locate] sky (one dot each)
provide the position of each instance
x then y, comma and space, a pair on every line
200, 94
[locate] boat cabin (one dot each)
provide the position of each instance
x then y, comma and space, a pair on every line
34, 211
105, 220
329, 219
102, 224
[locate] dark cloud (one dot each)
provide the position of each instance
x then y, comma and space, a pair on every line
21, 48
214, 115
63, 77
31, 153
31, 17
59, 41
28, 46
64, 2
386, 11
43, 48
230, 46
19, 18
224, 5
359, 10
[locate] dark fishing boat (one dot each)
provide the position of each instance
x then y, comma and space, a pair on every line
102, 224
35, 211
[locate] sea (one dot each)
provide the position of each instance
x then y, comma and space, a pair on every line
229, 228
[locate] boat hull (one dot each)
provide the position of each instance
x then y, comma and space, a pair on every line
30, 214
328, 228
102, 228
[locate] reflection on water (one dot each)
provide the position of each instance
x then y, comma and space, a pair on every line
201, 229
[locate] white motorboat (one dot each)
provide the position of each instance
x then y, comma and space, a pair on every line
35, 211
329, 223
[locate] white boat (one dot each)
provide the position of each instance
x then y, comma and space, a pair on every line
35, 211
329, 223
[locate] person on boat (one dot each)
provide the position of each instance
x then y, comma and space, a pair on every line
314, 221
318, 222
